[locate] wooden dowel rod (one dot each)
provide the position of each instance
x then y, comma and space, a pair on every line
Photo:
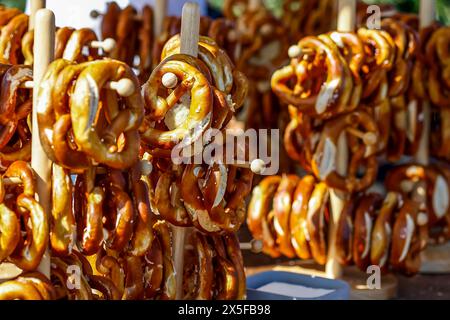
190, 28
35, 5
346, 23
427, 15
160, 11
44, 46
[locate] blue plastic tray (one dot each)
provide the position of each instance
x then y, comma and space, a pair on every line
341, 288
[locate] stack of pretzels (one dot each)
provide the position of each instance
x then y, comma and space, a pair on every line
290, 215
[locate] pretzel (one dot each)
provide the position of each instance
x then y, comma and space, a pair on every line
145, 43
9, 231
12, 107
282, 208
168, 289
142, 237
110, 20
225, 284
258, 214
233, 249
134, 284
16, 290
168, 202
408, 239
300, 236
88, 209
404, 179
414, 126
103, 285
398, 132
439, 76
62, 36
126, 38
222, 31
382, 231
440, 136
78, 40
326, 149
200, 271
7, 14
63, 221
345, 232
110, 268
27, 47
124, 216
122, 121
200, 109
10, 39
153, 270
28, 254
334, 90
315, 222
40, 283
364, 221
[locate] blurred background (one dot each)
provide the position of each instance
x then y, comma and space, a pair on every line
275, 5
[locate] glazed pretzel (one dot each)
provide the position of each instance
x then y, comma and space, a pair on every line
153, 271
282, 208
199, 273
78, 40
123, 122
110, 267
63, 221
145, 44
10, 39
225, 286
110, 20
126, 38
298, 217
332, 89
17, 290
382, 230
408, 239
440, 137
258, 220
62, 36
222, 31
200, 109
168, 289
364, 221
327, 171
134, 284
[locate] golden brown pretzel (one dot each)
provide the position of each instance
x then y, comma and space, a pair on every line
88, 210
199, 273
28, 255
145, 44
7, 14
200, 109
300, 236
62, 36
10, 39
364, 221
258, 214
110, 20
103, 285
345, 230
225, 286
142, 237
78, 40
125, 36
382, 231
168, 289
27, 47
315, 222
408, 239
40, 283
123, 122
323, 162
16, 290
233, 249
282, 203
63, 221
134, 278
153, 271
110, 267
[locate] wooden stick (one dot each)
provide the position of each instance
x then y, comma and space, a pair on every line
427, 17
35, 5
346, 23
44, 46
160, 11
190, 28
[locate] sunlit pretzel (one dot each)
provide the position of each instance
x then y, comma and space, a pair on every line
106, 147
63, 222
10, 39
364, 221
16, 290
153, 270
258, 211
382, 230
282, 208
324, 163
345, 232
315, 222
168, 289
225, 286
199, 273
77, 41
200, 106
300, 236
